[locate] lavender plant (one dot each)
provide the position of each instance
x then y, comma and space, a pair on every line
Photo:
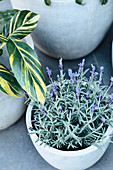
77, 111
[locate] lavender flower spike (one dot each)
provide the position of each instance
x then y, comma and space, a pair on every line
87, 95
52, 97
93, 73
30, 128
111, 99
101, 75
60, 64
69, 72
42, 108
103, 120
78, 91
71, 75
55, 88
58, 78
94, 107
81, 66
111, 135
111, 96
49, 72
111, 81
60, 109
42, 138
36, 120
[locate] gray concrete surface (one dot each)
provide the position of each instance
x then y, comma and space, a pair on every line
16, 149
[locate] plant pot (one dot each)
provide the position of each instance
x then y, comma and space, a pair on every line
11, 108
68, 30
68, 160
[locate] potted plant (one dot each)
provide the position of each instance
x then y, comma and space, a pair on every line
73, 128
24, 72
68, 29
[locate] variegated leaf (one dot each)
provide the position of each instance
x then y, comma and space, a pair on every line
21, 24
3, 39
27, 69
5, 16
9, 84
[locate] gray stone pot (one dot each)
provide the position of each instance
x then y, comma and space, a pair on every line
66, 29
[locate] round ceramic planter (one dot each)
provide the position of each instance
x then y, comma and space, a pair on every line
68, 160
11, 108
66, 29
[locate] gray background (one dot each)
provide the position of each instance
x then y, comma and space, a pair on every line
16, 149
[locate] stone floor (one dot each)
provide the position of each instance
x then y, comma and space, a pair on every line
16, 149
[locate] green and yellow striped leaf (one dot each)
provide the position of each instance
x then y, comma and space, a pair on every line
3, 39
5, 16
9, 84
21, 24
27, 69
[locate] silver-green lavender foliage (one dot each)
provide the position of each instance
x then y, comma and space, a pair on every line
80, 2
77, 111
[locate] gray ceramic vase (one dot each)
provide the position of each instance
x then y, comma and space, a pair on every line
66, 29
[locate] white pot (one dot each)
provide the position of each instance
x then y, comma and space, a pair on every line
68, 30
11, 108
67, 160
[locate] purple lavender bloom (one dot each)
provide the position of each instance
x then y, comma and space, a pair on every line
101, 75
111, 84
81, 66
58, 78
55, 88
111, 135
78, 91
111, 99
36, 120
103, 120
60, 109
49, 72
42, 138
60, 64
30, 128
42, 108
93, 73
69, 72
52, 97
71, 75
94, 107
111, 96
76, 76
87, 95
55, 85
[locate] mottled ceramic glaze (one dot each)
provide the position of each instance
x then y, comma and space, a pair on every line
68, 160
67, 29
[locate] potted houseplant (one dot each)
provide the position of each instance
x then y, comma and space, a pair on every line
24, 72
69, 29
73, 128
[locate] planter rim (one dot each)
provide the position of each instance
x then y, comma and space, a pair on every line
57, 151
